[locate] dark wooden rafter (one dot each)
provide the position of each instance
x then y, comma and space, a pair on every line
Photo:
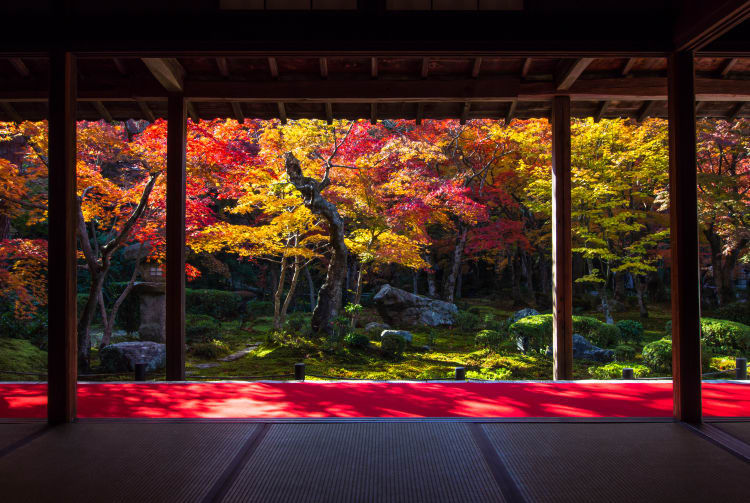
175, 234
628, 67
10, 112
420, 113
20, 67
237, 112
102, 110
565, 78
425, 71
120, 65
727, 67
476, 67
562, 261
273, 67
464, 113
646, 109
282, 112
373, 113
223, 67
683, 234
735, 111
168, 71
323, 68
192, 111
699, 109
373, 67
601, 110
526, 67
62, 345
329, 113
146, 111
700, 23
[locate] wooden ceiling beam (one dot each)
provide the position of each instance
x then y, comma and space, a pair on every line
526, 67
601, 110
168, 71
323, 68
511, 111
566, 78
465, 112
425, 71
645, 110
120, 65
628, 66
727, 66
373, 68
476, 67
282, 112
735, 111
273, 67
192, 111
700, 23
237, 111
102, 110
10, 112
146, 111
20, 67
329, 113
373, 113
223, 67
420, 113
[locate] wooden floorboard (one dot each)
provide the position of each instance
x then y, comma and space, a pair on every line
200, 461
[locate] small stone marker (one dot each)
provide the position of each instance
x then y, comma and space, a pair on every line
627, 373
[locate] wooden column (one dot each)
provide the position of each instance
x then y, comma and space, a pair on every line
683, 213
562, 262
62, 349
175, 233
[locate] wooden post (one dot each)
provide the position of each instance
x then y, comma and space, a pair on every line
683, 213
562, 262
175, 233
62, 349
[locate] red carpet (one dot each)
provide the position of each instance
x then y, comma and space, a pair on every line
363, 399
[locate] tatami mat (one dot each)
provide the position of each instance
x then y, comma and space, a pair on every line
739, 430
13, 433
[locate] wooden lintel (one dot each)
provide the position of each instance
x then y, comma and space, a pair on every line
20, 67
10, 112
511, 112
601, 110
645, 110
329, 113
323, 68
373, 68
476, 67
282, 112
373, 113
567, 77
120, 65
168, 71
464, 112
146, 111
425, 71
526, 67
237, 111
727, 66
102, 110
628, 66
223, 67
273, 67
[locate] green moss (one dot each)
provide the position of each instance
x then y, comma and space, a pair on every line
20, 355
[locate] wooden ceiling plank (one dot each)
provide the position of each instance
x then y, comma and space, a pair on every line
10, 112
20, 67
168, 71
102, 110
237, 111
146, 111
568, 77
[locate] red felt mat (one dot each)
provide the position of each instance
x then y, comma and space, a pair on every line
374, 399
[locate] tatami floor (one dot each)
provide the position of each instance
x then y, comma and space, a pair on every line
374, 460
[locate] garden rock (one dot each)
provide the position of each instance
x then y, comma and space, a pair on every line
399, 307
584, 350
523, 313
375, 328
123, 356
407, 336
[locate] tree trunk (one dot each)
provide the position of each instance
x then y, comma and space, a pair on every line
358, 292
431, 283
515, 291
329, 296
723, 262
290, 293
415, 282
459, 284
310, 286
639, 285
449, 285
277, 322
84, 323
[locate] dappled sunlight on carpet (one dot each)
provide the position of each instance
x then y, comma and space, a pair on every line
373, 399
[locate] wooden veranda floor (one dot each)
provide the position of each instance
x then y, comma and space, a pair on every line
409, 460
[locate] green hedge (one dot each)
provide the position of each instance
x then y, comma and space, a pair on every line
614, 371
724, 337
489, 339
215, 303
392, 345
538, 331
657, 356
631, 330
736, 311
201, 328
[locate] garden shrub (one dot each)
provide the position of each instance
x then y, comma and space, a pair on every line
631, 330
535, 331
392, 345
218, 304
585, 326
466, 321
657, 355
614, 371
605, 336
21, 356
624, 353
211, 350
257, 308
201, 328
356, 340
725, 337
298, 323
736, 311
489, 322
488, 339
33, 329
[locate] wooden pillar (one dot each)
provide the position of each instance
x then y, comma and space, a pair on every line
562, 262
683, 213
62, 350
175, 233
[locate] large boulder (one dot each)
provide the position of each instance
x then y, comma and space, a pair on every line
523, 313
584, 350
407, 336
401, 308
123, 356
